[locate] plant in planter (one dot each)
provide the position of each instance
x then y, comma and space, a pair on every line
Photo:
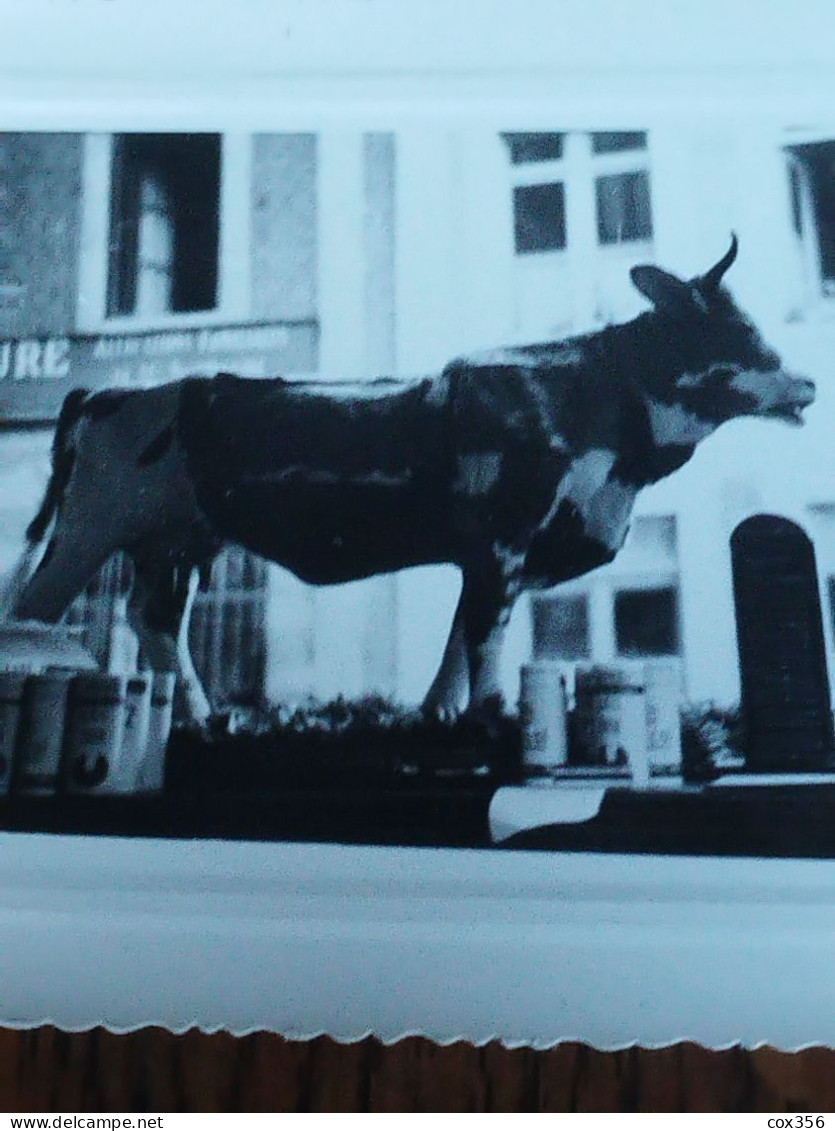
342, 741
712, 741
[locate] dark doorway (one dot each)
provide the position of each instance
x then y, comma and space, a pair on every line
785, 687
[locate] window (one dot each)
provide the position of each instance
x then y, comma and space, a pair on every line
92, 611
623, 208
527, 148
812, 185
227, 629
561, 627
580, 205
646, 622
539, 217
628, 609
644, 599
227, 635
617, 142
167, 231
164, 224
548, 166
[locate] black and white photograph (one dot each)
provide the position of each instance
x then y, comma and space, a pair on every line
417, 520
449, 484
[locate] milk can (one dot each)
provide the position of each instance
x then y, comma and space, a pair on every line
663, 698
135, 738
542, 713
152, 767
41, 731
95, 730
610, 718
11, 696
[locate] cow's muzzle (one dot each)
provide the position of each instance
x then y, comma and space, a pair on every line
796, 395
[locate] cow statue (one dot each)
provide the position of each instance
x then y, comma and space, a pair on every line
520, 466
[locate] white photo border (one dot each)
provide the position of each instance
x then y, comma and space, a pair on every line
530, 948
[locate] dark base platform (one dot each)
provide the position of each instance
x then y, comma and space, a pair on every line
781, 820
448, 818
770, 821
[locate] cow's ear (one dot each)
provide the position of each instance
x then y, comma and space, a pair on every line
666, 291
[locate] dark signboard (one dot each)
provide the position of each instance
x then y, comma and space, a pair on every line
785, 687
37, 373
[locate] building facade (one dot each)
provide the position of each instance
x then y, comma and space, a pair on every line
135, 259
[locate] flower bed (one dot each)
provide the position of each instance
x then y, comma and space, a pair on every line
343, 742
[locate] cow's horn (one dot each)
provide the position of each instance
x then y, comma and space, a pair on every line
713, 278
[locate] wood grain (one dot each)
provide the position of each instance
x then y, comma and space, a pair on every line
153, 1071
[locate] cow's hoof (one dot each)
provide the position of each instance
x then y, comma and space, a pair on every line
219, 726
212, 728
438, 711
487, 713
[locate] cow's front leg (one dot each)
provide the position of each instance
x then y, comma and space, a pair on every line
160, 611
447, 695
487, 599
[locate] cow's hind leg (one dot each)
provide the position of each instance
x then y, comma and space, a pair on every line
160, 611
67, 565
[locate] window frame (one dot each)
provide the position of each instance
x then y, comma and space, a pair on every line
144, 209
578, 170
600, 588
234, 241
818, 289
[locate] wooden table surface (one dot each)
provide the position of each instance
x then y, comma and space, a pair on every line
154, 1071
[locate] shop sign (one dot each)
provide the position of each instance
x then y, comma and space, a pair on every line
37, 373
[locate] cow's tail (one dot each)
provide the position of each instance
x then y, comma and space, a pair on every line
12, 585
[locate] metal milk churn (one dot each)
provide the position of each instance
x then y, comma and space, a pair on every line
152, 768
610, 718
543, 716
95, 731
663, 706
11, 699
37, 761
